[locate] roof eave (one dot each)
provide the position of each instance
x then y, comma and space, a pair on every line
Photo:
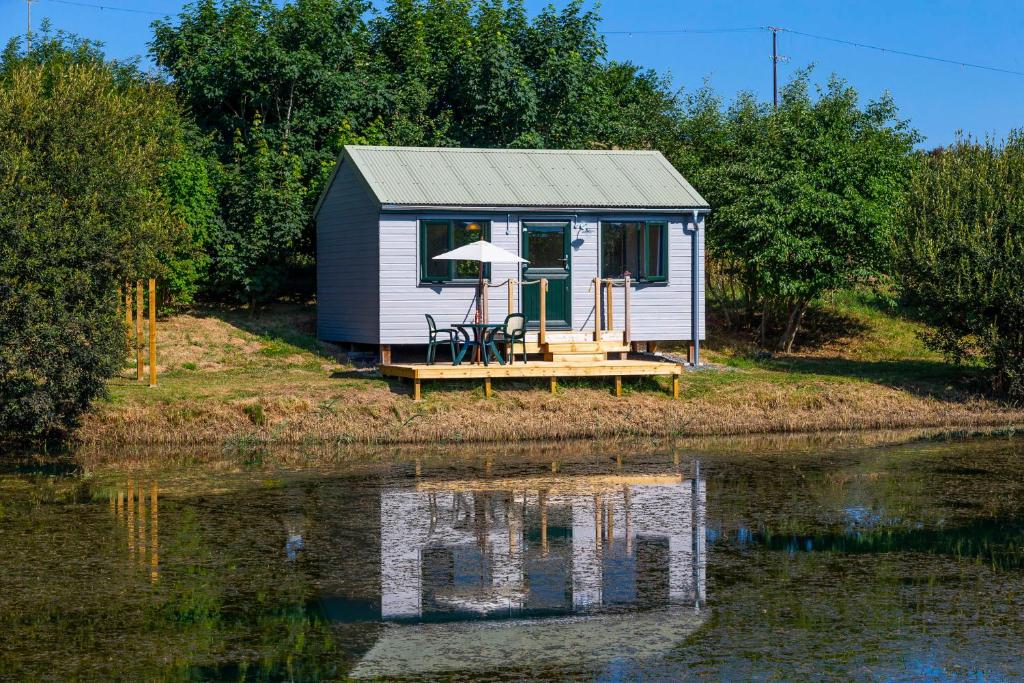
497, 208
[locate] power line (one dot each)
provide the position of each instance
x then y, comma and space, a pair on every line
681, 31
904, 53
108, 7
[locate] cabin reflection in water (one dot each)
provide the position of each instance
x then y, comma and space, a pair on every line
537, 547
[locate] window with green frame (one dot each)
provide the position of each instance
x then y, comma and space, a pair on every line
439, 236
637, 247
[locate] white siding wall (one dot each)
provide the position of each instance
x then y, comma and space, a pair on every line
346, 273
661, 312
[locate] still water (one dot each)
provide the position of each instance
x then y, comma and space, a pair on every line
719, 561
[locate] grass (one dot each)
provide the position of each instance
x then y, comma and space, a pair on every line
229, 378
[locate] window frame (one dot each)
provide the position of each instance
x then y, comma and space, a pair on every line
424, 259
644, 229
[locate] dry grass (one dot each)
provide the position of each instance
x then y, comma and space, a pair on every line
228, 378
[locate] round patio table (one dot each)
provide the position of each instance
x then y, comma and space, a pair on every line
479, 341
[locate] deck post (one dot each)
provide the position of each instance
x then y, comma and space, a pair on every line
385, 354
487, 387
675, 386
554, 385
511, 305
417, 389
608, 309
618, 385
542, 334
597, 309
628, 337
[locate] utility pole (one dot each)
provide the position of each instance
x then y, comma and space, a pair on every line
28, 33
775, 65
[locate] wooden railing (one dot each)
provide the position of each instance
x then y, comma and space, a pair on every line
607, 320
512, 283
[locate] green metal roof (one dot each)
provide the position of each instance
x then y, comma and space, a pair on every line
449, 177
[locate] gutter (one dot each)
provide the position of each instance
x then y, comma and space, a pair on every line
695, 289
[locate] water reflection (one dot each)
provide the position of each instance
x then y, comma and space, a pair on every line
128, 507
885, 564
547, 561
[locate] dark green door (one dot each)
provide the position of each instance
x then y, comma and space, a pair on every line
546, 247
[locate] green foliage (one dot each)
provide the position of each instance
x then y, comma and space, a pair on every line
273, 87
805, 197
83, 146
188, 184
962, 261
279, 90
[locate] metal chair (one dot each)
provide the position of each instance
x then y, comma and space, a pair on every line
433, 340
512, 332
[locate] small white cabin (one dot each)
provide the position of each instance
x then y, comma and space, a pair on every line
574, 215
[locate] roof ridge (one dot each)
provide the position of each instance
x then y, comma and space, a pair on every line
505, 150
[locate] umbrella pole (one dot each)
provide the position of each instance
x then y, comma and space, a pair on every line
481, 309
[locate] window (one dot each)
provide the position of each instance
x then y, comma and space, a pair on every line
637, 247
437, 237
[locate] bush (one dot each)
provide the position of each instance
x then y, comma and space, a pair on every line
82, 148
963, 260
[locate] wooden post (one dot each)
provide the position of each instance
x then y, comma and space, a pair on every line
138, 330
618, 385
416, 389
675, 386
689, 353
511, 304
597, 309
128, 315
542, 334
152, 332
487, 387
385, 354
628, 337
608, 311
554, 385
485, 315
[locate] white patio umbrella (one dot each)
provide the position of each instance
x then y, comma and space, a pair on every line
483, 252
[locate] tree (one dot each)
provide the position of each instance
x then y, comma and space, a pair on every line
962, 261
805, 197
83, 148
273, 88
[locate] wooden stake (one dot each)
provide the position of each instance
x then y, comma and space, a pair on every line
675, 386
554, 385
128, 315
152, 332
138, 330
487, 387
416, 390
618, 385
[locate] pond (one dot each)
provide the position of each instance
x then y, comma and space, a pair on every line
742, 560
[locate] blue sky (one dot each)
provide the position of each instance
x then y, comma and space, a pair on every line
939, 99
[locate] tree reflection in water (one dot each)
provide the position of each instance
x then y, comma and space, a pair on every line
894, 562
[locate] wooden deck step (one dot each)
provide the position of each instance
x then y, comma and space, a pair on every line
574, 357
586, 347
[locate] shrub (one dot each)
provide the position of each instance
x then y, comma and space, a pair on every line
963, 259
82, 147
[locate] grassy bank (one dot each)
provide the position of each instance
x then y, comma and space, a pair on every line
227, 377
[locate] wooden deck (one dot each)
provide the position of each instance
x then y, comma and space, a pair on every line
616, 369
